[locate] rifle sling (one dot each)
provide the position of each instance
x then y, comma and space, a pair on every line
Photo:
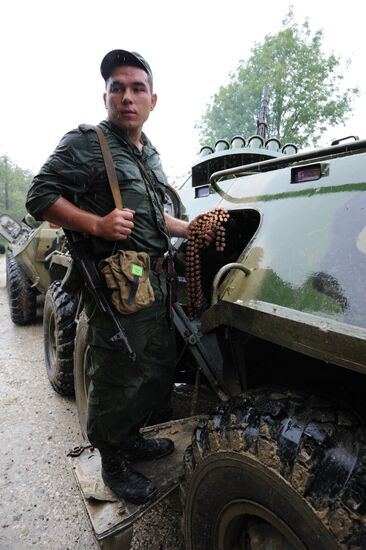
111, 172
116, 192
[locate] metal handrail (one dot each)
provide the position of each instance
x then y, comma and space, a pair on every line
221, 273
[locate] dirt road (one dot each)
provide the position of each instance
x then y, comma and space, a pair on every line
40, 506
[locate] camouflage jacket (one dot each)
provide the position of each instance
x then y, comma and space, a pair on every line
76, 171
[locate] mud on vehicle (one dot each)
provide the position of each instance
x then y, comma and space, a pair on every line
280, 340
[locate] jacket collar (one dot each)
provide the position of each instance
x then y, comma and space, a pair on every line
122, 134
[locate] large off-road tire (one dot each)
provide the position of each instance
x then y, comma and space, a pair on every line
81, 363
59, 328
277, 468
22, 295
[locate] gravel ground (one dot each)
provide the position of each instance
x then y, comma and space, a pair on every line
40, 505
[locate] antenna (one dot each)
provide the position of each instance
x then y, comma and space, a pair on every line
262, 125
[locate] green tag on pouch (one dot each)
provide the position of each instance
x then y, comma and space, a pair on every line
137, 270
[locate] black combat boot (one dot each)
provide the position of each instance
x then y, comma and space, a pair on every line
125, 482
148, 449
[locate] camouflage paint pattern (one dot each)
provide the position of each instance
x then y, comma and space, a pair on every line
32, 250
307, 260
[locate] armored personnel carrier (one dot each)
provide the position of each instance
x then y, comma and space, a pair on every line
277, 335
28, 261
281, 463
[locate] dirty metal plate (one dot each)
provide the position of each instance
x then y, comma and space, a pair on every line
110, 517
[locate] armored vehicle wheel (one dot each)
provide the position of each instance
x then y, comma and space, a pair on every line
81, 362
276, 468
22, 296
59, 333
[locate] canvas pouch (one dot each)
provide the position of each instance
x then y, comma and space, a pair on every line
126, 274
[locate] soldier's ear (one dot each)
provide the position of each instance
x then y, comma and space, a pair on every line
154, 99
105, 99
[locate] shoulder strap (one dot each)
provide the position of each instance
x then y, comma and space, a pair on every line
109, 165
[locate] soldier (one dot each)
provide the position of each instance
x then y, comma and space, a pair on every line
72, 191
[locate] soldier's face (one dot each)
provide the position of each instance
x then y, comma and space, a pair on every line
128, 98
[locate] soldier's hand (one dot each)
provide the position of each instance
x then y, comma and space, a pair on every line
209, 236
117, 225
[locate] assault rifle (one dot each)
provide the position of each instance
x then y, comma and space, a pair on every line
83, 259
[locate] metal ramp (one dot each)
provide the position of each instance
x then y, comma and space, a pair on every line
112, 519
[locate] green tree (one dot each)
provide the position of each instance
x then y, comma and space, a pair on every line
14, 183
306, 95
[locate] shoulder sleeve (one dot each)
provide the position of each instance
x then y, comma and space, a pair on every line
67, 172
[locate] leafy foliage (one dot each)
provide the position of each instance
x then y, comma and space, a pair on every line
14, 183
305, 90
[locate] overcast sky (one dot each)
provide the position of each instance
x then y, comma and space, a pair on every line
51, 52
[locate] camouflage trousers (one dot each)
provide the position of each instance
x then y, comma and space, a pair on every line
124, 393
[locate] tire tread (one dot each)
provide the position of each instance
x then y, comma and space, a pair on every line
62, 306
303, 439
22, 295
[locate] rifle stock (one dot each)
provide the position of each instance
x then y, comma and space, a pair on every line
84, 261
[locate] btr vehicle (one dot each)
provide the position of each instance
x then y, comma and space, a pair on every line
28, 275
279, 347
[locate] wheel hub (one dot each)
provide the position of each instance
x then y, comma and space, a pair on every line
246, 525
